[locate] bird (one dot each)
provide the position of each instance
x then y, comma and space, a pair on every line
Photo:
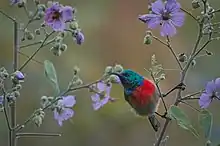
142, 95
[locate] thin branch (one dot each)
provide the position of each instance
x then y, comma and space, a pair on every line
19, 135
190, 14
190, 96
5, 108
158, 88
35, 53
25, 55
167, 44
174, 54
190, 106
19, 127
32, 44
6, 15
215, 11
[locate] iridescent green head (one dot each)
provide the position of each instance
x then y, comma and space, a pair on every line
130, 79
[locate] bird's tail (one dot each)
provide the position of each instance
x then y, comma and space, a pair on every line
154, 122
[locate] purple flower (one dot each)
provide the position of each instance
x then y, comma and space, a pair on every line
99, 100
1, 99
57, 15
167, 15
79, 37
19, 75
63, 110
212, 90
14, 2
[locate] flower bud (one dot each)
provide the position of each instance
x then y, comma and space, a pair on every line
148, 39
63, 47
118, 68
108, 69
79, 37
37, 31
114, 79
195, 4
74, 25
208, 53
29, 35
16, 94
208, 143
21, 4
37, 2
182, 57
56, 52
193, 63
41, 7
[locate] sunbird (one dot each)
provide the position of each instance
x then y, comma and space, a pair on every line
142, 95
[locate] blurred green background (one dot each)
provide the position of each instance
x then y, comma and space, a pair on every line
113, 34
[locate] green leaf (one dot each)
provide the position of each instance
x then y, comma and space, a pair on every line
206, 121
51, 75
182, 119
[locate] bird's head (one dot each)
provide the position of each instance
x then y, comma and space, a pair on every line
130, 79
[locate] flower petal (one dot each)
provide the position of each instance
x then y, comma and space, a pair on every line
67, 13
178, 18
153, 20
67, 113
217, 83
108, 89
96, 105
95, 98
158, 7
205, 100
172, 6
101, 86
58, 25
210, 87
105, 100
167, 29
68, 101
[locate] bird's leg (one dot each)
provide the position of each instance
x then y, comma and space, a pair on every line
181, 86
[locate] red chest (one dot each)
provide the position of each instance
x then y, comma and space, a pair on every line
143, 94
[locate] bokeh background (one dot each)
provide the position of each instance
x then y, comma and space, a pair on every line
113, 35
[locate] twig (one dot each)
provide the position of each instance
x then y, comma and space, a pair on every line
190, 14
5, 108
190, 106
23, 54
19, 135
174, 54
28, 45
167, 44
189, 97
158, 88
6, 15
32, 56
19, 127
